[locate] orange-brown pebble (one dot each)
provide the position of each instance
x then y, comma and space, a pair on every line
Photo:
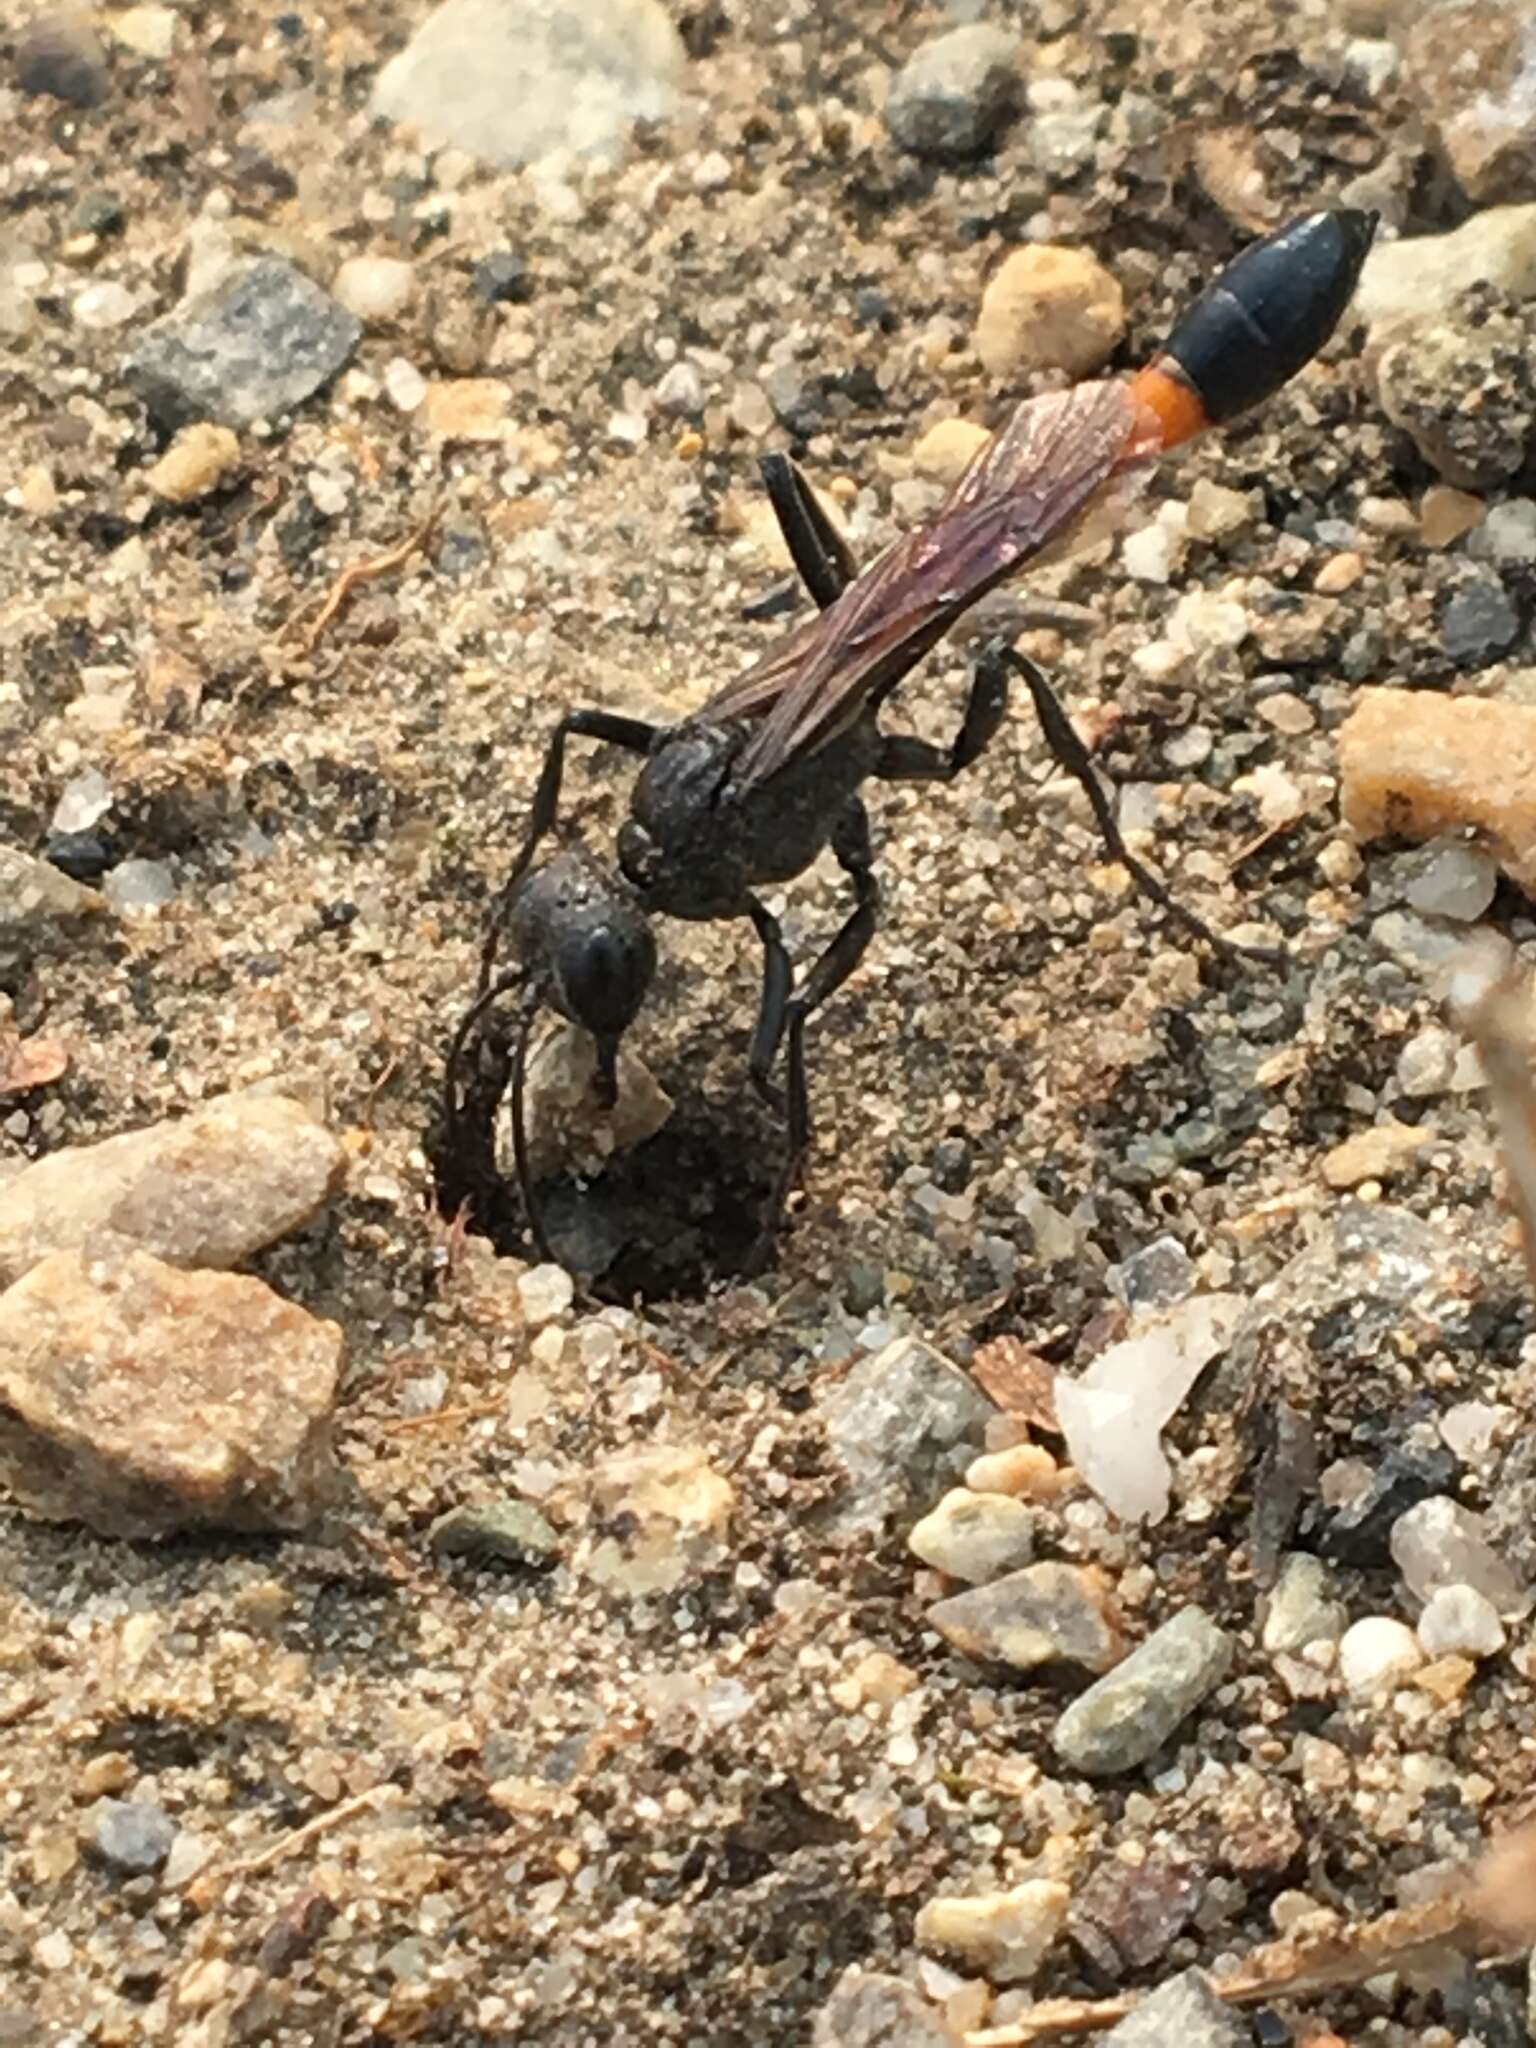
1446, 1679
1445, 514
689, 443
1340, 572
1026, 1471
1413, 764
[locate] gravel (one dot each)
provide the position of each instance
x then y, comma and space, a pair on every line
717, 1752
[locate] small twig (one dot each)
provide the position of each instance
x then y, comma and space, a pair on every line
471, 1411
1490, 1907
208, 1888
1262, 839
366, 572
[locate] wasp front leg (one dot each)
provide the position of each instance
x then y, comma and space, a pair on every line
636, 735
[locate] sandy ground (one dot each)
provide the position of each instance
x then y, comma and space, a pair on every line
571, 1812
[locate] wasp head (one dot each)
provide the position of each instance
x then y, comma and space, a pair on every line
579, 927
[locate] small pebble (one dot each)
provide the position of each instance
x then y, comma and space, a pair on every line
1507, 534
131, 1837
1425, 1064
1049, 308
1453, 879
1218, 513
1304, 1607
946, 451
1127, 1717
1045, 1613
376, 288
104, 305
60, 55
1376, 1654
546, 1293
254, 345
953, 94
1377, 1154
1027, 1471
139, 885
1415, 764
975, 1536
1438, 1542
506, 1530
197, 462
1457, 1620
1446, 514
1004, 1935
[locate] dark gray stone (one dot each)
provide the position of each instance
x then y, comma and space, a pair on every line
257, 344
509, 1531
60, 55
1128, 1716
1479, 622
954, 94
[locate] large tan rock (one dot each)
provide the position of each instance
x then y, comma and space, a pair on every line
140, 1399
206, 1190
1413, 764
1049, 308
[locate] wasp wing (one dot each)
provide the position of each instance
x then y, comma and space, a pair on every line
1022, 491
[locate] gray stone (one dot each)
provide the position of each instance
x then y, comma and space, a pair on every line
1185, 2011
1438, 1542
131, 1836
871, 2010
1304, 1607
255, 345
142, 1400
514, 80
1128, 1716
1047, 1613
954, 93
59, 55
509, 1531
1479, 622
903, 1423
205, 1190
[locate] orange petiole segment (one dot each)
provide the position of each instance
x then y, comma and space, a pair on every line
1173, 402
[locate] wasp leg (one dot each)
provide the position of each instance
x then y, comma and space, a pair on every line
822, 558
635, 734
851, 847
903, 758
472, 1093
1062, 738
525, 1183
773, 1005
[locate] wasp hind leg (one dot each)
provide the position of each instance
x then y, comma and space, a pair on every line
1069, 752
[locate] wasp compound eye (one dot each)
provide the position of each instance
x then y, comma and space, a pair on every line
1269, 312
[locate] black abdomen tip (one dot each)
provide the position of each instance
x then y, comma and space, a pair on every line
1271, 310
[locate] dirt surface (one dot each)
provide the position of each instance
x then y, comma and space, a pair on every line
569, 1810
